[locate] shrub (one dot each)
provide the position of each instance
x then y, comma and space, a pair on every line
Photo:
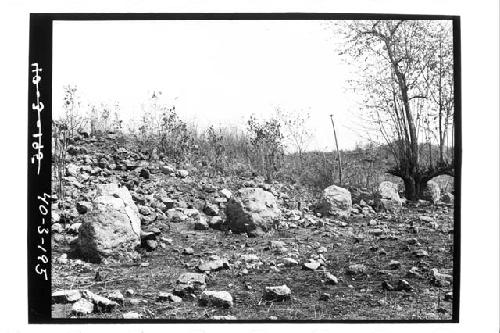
267, 146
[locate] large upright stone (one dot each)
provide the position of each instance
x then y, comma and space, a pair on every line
432, 192
335, 201
387, 197
112, 227
252, 210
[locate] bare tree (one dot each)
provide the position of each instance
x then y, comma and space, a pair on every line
403, 79
295, 130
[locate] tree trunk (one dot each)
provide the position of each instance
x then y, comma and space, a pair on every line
414, 187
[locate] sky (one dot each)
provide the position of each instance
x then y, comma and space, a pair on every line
215, 72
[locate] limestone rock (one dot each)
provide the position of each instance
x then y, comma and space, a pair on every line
335, 201
387, 197
216, 298
112, 227
252, 210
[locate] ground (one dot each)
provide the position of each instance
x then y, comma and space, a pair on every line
373, 241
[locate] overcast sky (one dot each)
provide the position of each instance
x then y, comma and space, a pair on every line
216, 72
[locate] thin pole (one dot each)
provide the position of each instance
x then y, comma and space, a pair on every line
338, 152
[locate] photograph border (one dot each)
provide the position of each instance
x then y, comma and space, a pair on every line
40, 154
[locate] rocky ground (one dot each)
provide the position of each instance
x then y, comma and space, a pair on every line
186, 263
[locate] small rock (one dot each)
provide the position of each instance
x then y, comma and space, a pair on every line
324, 297
226, 193
216, 298
425, 218
57, 227
290, 262
387, 286
66, 296
312, 266
131, 315
404, 285
331, 279
144, 174
213, 265
448, 297
376, 232
150, 244
249, 258
116, 296
83, 207
82, 307
211, 210
102, 303
188, 251
182, 173
215, 222
74, 228
421, 253
356, 269
278, 293
394, 265
165, 296
223, 318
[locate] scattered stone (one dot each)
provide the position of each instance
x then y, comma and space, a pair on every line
102, 304
331, 279
324, 297
57, 228
335, 201
129, 292
394, 265
189, 283
83, 207
72, 170
150, 244
169, 297
448, 297
432, 192
211, 210
66, 296
290, 262
425, 218
421, 253
131, 315
188, 251
413, 272
167, 169
226, 193
253, 211
441, 279
356, 269
215, 222
201, 223
278, 293
74, 228
116, 296
113, 227
182, 173
404, 285
144, 173
387, 197
216, 298
312, 266
82, 307
376, 232
213, 265
387, 286
223, 318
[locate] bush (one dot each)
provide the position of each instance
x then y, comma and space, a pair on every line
267, 146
